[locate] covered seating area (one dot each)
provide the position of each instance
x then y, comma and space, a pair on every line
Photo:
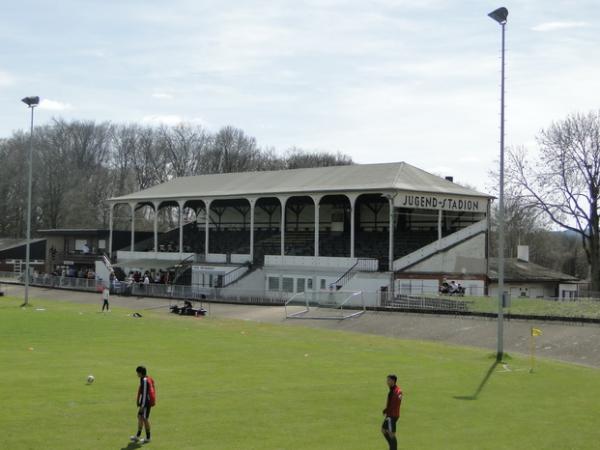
381, 211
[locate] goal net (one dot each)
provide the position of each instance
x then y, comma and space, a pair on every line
332, 305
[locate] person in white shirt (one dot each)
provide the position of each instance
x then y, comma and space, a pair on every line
105, 297
453, 287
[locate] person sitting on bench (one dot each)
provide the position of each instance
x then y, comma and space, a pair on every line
185, 310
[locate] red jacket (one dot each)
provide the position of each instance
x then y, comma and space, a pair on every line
394, 399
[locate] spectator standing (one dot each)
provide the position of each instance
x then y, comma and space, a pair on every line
105, 298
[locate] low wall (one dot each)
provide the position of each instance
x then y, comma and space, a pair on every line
310, 261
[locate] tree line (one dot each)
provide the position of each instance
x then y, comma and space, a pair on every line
77, 165
553, 197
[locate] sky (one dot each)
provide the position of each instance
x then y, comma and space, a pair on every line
381, 80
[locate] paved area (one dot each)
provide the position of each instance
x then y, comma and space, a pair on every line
567, 342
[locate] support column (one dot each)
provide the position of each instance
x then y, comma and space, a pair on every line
440, 224
252, 207
132, 205
110, 231
317, 201
181, 204
283, 201
391, 231
156, 205
352, 199
206, 228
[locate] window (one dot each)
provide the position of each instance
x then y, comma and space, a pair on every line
273, 283
287, 284
309, 284
323, 283
300, 284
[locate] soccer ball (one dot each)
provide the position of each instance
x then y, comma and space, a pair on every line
90, 379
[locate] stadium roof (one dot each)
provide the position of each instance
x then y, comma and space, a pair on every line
335, 179
75, 232
9, 243
519, 270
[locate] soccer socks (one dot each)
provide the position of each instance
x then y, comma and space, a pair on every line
139, 433
147, 435
393, 443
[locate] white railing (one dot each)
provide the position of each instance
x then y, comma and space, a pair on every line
83, 284
10, 276
367, 265
233, 275
439, 245
228, 295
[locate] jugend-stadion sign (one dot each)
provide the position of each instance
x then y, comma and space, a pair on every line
440, 201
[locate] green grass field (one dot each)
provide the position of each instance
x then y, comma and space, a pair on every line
588, 308
242, 385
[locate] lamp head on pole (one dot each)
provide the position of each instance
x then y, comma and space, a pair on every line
31, 101
499, 15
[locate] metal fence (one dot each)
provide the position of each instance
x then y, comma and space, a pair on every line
425, 303
550, 307
49, 281
228, 295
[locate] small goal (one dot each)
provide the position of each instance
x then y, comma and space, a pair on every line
326, 305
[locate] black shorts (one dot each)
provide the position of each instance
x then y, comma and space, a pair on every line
144, 412
389, 424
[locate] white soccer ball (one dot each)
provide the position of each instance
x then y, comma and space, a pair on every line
90, 379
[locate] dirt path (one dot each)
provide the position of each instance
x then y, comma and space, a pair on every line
572, 343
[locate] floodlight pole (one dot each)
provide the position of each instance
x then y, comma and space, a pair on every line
31, 103
500, 350
500, 15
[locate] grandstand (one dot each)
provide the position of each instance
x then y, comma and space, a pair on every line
385, 228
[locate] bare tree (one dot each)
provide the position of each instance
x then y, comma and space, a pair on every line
564, 180
183, 147
297, 158
237, 150
79, 164
13, 187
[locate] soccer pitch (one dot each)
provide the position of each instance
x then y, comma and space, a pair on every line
225, 385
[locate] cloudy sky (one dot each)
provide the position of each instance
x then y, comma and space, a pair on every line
382, 80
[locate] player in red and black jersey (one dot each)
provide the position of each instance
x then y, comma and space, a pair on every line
392, 412
144, 405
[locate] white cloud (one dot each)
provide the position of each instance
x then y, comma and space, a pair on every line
165, 119
162, 96
54, 105
553, 26
6, 79
172, 120
94, 52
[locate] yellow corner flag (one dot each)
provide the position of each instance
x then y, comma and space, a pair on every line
534, 333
